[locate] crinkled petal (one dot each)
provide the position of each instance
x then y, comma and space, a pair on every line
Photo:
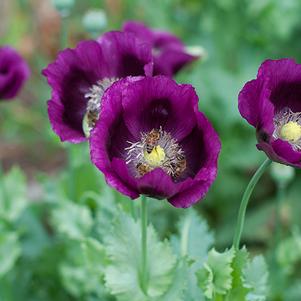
141, 31
157, 184
194, 189
159, 101
282, 152
171, 61
169, 52
58, 124
106, 137
253, 102
285, 151
128, 55
284, 78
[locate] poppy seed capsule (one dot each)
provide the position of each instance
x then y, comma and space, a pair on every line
291, 131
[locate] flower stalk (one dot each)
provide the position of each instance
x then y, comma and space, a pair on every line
144, 263
245, 201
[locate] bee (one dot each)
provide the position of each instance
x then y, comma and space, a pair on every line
180, 166
92, 116
143, 168
152, 139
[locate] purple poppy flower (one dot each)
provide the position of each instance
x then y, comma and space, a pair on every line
14, 71
169, 52
80, 76
272, 104
151, 139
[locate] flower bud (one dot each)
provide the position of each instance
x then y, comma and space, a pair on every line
94, 21
282, 174
63, 6
198, 51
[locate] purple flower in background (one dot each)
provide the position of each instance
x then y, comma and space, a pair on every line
169, 52
272, 104
80, 76
14, 71
151, 139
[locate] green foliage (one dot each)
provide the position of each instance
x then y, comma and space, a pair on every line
83, 268
54, 245
72, 220
123, 247
215, 277
10, 250
233, 276
289, 252
193, 251
12, 194
189, 227
238, 291
178, 289
255, 277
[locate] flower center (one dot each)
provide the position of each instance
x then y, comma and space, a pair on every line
156, 149
155, 157
94, 102
291, 131
288, 127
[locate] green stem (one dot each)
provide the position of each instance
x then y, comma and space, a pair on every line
185, 236
2, 186
64, 33
133, 209
278, 228
245, 201
144, 263
71, 179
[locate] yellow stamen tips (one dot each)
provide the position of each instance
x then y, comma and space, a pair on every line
155, 157
291, 131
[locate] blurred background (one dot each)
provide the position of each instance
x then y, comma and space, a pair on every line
236, 36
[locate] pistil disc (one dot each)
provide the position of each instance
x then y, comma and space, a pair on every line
288, 127
156, 149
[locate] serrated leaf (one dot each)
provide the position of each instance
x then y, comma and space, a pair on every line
83, 269
12, 194
73, 220
9, 250
215, 277
255, 278
123, 246
238, 291
179, 283
193, 244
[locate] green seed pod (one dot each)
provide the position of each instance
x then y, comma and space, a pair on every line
63, 6
282, 174
94, 21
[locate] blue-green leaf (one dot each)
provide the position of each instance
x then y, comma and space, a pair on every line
123, 247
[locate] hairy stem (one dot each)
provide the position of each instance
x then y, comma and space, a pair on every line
245, 201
